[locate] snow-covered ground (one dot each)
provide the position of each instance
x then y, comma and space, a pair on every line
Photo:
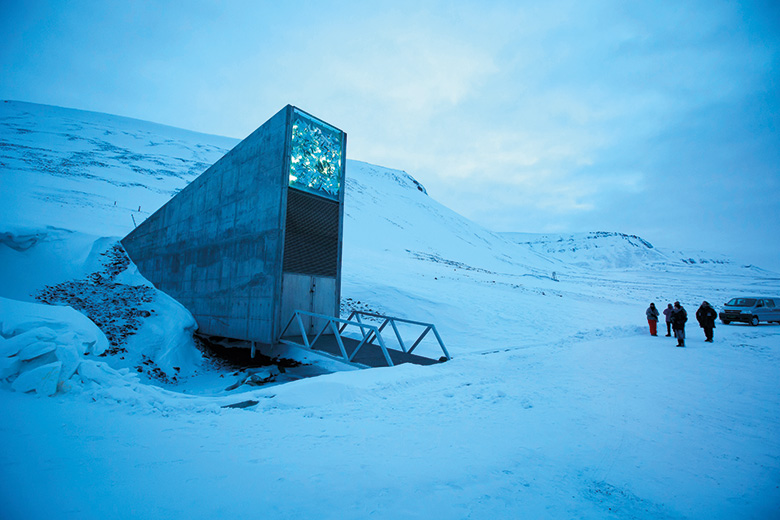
557, 404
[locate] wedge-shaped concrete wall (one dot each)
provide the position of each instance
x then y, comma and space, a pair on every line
218, 245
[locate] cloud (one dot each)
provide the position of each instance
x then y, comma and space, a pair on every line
419, 74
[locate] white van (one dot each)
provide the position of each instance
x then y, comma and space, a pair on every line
751, 309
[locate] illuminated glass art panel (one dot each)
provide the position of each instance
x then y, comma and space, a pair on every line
315, 156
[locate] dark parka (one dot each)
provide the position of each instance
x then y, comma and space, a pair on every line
679, 317
706, 316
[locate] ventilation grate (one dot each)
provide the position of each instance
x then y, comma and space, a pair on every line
311, 239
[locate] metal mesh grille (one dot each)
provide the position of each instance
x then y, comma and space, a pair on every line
311, 239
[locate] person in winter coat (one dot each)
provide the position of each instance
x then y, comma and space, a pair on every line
652, 319
679, 317
706, 317
668, 314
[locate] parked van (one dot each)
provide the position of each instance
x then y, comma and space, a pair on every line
751, 309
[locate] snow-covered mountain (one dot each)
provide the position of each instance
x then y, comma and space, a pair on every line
90, 172
557, 403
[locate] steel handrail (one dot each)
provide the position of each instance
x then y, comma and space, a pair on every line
368, 332
331, 321
392, 320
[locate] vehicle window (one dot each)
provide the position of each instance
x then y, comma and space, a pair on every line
742, 302
770, 303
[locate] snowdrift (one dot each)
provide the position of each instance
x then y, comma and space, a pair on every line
43, 348
135, 326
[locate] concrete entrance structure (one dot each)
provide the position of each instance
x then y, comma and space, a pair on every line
257, 235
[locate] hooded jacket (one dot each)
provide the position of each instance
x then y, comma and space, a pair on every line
679, 317
706, 316
652, 313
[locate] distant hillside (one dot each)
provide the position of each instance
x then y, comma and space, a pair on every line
601, 249
610, 250
92, 172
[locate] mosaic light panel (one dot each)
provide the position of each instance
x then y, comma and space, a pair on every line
315, 156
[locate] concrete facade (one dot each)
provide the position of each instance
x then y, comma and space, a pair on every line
218, 245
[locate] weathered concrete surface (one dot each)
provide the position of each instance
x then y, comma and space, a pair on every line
217, 245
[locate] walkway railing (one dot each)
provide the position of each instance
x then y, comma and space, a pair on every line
369, 332
392, 322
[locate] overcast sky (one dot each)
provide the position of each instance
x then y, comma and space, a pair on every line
659, 119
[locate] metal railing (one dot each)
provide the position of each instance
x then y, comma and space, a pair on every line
369, 332
392, 322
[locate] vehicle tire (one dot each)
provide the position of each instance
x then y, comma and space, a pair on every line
726, 322
754, 321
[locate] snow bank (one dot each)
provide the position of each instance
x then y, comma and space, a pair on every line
24, 325
43, 346
143, 326
167, 337
49, 349
33, 258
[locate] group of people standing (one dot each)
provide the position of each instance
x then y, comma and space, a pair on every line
677, 316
